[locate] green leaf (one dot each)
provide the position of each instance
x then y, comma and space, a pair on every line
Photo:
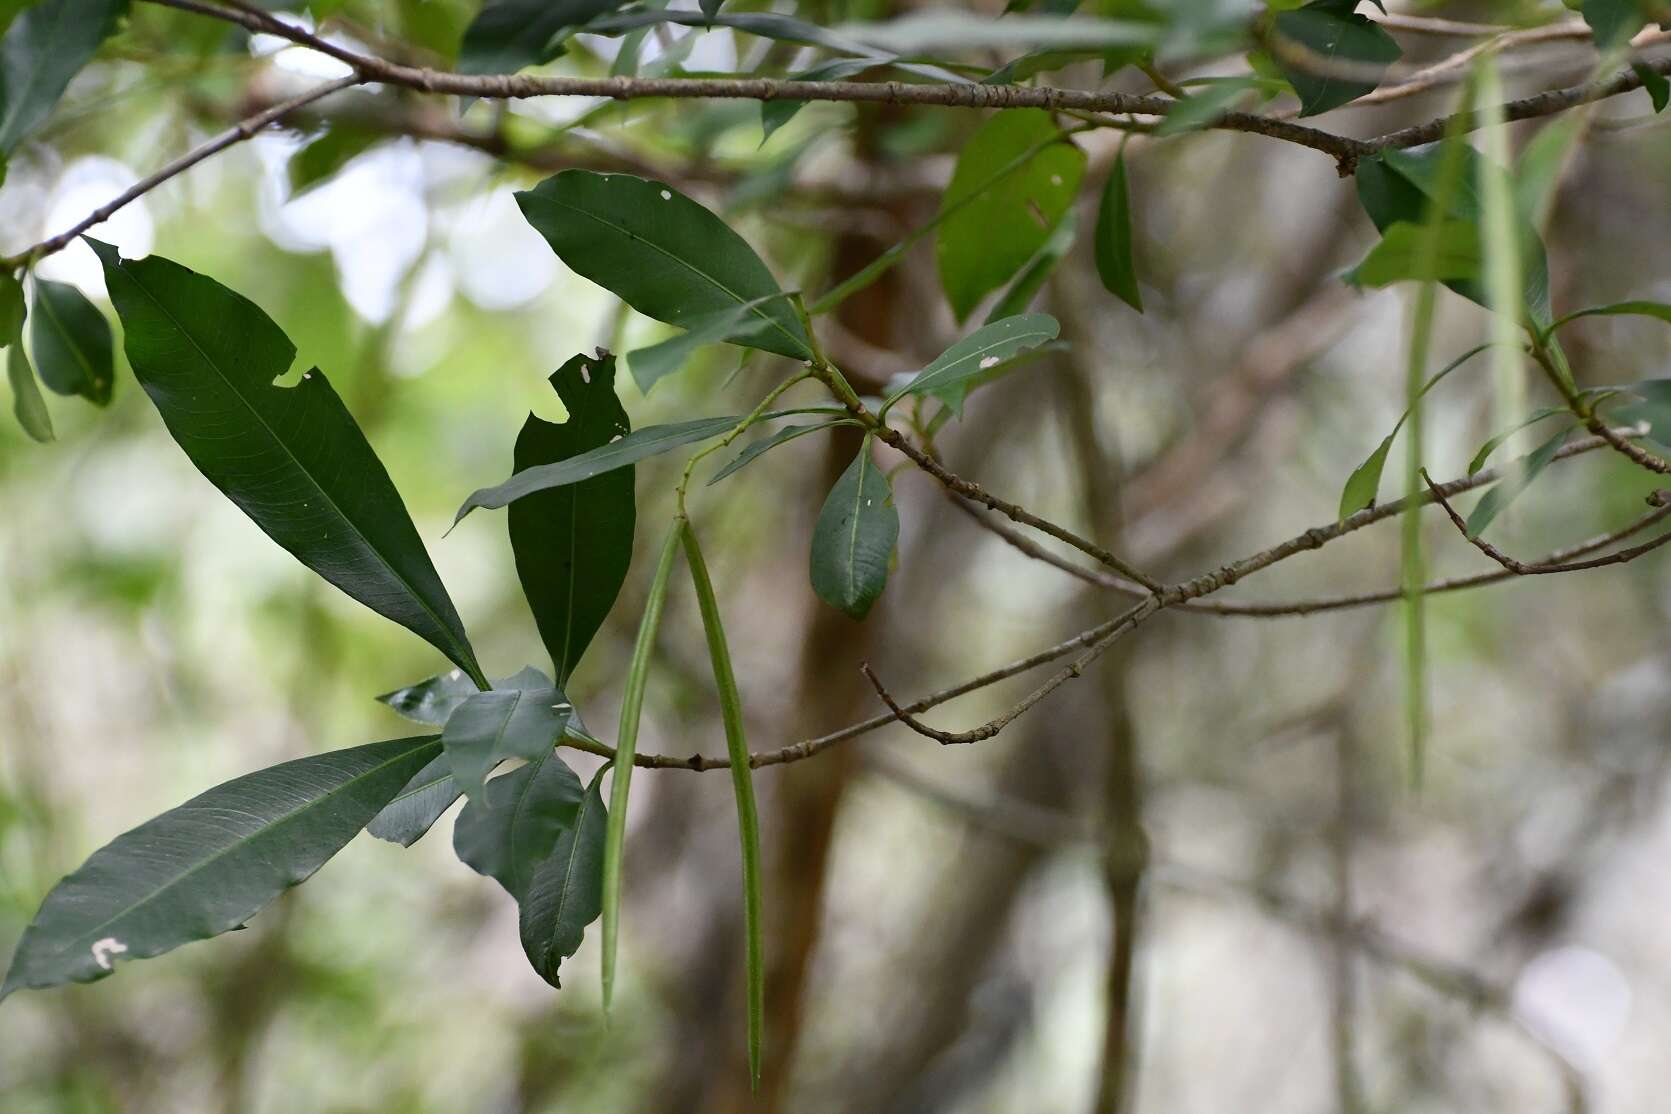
43, 49
661, 253
209, 865
508, 830
565, 893
853, 541
1618, 309
944, 29
1015, 180
290, 457
775, 114
12, 308
1659, 89
766, 444
1538, 169
1200, 109
1114, 255
1614, 22
1400, 256
1019, 297
573, 544
1331, 31
432, 701
1491, 445
1518, 478
952, 370
27, 403
742, 785
510, 34
325, 155
72, 342
626, 747
418, 805
490, 727
651, 365
1654, 408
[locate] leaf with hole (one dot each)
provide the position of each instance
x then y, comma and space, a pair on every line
853, 540
210, 865
661, 253
573, 544
72, 342
291, 458
1014, 182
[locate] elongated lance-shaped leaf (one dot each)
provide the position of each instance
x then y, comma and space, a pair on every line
413, 811
573, 544
566, 892
775, 114
981, 350
1114, 239
626, 747
766, 444
290, 457
211, 864
653, 364
1619, 309
638, 445
854, 538
72, 342
1496, 441
661, 253
490, 727
27, 404
742, 785
44, 48
1018, 297
507, 830
1518, 476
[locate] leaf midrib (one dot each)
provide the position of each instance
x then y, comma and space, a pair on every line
57, 323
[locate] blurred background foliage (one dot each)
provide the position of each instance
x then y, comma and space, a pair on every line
1315, 934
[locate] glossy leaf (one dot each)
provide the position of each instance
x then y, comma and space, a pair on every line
573, 544
1402, 256
510, 34
565, 893
508, 830
1331, 31
418, 805
1114, 240
981, 350
72, 344
209, 865
626, 747
742, 785
766, 444
653, 364
661, 253
290, 457
1015, 180
853, 540
27, 404
43, 49
490, 727
1517, 478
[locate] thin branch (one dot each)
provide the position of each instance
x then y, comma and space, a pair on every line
1658, 499
244, 129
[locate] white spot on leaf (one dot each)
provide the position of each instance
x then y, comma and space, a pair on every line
104, 949
667, 195
989, 361
585, 373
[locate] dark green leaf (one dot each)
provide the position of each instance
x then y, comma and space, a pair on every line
326, 154
651, 365
1518, 476
661, 253
490, 727
1614, 22
72, 342
27, 403
766, 444
290, 457
775, 114
418, 805
573, 544
1114, 256
1332, 32
1401, 255
211, 864
566, 891
510, 34
43, 49
1015, 180
1213, 97
853, 541
508, 830
12, 308
1659, 89
980, 351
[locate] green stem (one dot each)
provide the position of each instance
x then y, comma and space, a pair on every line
739, 429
